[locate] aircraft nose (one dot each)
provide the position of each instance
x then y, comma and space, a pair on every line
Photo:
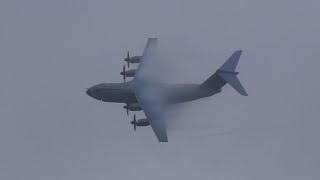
89, 92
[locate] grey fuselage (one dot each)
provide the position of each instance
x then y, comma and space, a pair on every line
125, 92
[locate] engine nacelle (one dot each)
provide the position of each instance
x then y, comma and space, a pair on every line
135, 59
133, 107
141, 122
129, 73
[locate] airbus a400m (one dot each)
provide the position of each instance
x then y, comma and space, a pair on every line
143, 93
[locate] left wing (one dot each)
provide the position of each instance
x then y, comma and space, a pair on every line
149, 93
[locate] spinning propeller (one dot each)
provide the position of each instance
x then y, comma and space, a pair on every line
128, 59
123, 73
134, 122
127, 108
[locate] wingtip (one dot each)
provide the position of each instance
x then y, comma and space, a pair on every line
152, 39
243, 92
238, 52
163, 140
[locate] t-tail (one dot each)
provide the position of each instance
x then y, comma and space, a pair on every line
226, 74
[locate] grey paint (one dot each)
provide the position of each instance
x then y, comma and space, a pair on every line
153, 97
125, 92
143, 93
50, 51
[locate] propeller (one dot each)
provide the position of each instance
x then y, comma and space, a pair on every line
134, 122
123, 73
127, 106
127, 111
128, 59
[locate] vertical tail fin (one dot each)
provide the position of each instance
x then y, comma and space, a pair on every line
227, 74
232, 62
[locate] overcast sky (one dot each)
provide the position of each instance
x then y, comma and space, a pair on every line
50, 51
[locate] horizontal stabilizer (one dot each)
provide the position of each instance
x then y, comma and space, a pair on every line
232, 79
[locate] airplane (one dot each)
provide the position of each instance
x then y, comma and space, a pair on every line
143, 93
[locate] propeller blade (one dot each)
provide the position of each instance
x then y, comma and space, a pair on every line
134, 123
128, 59
124, 72
127, 108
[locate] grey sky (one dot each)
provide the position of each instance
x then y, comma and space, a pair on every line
50, 51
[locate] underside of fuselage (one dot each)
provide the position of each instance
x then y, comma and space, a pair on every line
124, 92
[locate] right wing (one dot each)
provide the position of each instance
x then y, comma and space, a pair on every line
153, 109
148, 91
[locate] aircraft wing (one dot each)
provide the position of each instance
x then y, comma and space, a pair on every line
149, 93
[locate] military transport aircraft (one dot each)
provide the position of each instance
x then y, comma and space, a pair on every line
143, 93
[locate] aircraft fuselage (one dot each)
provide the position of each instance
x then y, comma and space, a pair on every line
125, 92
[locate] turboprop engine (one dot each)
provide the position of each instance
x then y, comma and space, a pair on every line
134, 59
132, 107
128, 73
140, 122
